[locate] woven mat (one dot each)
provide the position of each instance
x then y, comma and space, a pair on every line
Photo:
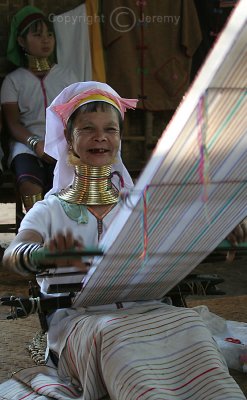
15, 337
233, 308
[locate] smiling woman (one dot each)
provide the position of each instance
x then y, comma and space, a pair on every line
95, 138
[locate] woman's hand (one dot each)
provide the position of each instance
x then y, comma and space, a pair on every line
62, 242
48, 159
39, 150
239, 234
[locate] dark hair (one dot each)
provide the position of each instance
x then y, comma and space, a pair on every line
94, 107
34, 27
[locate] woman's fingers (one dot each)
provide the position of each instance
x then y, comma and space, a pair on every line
230, 256
244, 229
63, 241
232, 238
239, 234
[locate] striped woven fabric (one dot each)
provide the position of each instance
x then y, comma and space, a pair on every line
192, 192
111, 356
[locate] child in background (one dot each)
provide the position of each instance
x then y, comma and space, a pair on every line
25, 94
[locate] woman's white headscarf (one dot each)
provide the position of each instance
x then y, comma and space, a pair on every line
57, 116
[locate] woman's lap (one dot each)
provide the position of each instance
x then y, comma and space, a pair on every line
163, 353
168, 351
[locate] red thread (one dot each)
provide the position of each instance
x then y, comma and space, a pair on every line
145, 225
121, 179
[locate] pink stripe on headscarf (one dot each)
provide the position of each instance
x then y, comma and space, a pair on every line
65, 110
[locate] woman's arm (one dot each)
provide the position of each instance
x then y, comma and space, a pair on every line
24, 237
20, 133
13, 121
18, 256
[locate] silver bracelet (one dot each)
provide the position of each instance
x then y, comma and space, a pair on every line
32, 141
22, 260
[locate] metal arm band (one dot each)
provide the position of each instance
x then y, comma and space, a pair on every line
32, 141
22, 258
